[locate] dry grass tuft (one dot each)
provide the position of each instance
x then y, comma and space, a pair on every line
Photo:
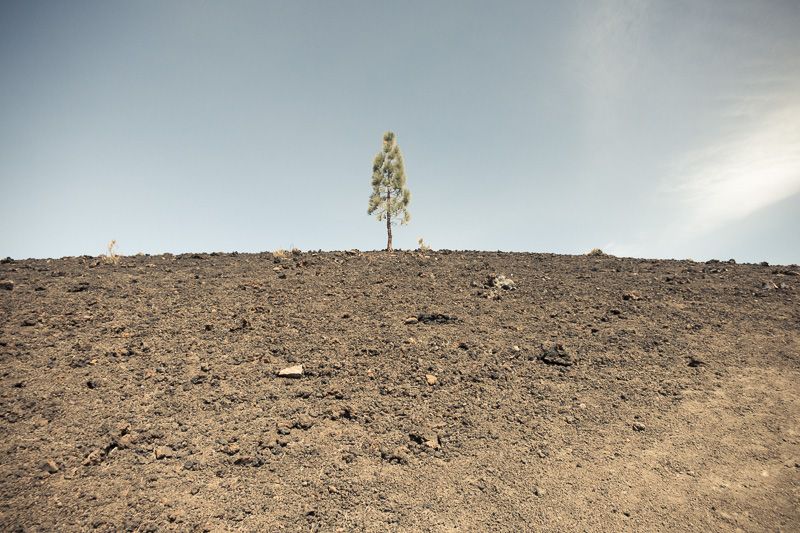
112, 257
423, 247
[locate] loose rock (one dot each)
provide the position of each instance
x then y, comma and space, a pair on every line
500, 282
303, 422
162, 452
694, 362
7, 284
292, 372
435, 318
556, 355
248, 460
50, 466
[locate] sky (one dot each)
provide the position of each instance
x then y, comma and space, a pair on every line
658, 129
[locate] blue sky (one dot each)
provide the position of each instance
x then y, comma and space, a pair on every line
651, 129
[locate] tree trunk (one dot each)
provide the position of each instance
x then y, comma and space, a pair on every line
388, 222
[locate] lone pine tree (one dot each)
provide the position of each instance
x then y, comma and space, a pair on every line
390, 197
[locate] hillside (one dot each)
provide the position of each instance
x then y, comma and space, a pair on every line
600, 394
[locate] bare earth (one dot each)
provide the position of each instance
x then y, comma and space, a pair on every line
144, 396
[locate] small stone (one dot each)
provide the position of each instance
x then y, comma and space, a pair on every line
638, 426
436, 318
50, 466
397, 456
556, 355
94, 457
426, 438
631, 296
249, 460
411, 320
515, 348
230, 449
500, 282
695, 362
293, 372
162, 452
7, 285
303, 422
431, 379
538, 491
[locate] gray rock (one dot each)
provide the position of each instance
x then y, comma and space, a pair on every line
556, 355
499, 281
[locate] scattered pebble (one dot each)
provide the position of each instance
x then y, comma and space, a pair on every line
431, 379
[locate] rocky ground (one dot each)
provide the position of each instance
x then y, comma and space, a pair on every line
445, 391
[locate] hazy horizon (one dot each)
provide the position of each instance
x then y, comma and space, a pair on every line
644, 128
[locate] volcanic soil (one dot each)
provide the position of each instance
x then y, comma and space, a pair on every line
592, 393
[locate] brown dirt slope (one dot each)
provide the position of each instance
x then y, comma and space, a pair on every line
143, 396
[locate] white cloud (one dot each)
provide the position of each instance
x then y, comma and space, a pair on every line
742, 173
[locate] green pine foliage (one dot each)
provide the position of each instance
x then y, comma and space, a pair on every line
390, 197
